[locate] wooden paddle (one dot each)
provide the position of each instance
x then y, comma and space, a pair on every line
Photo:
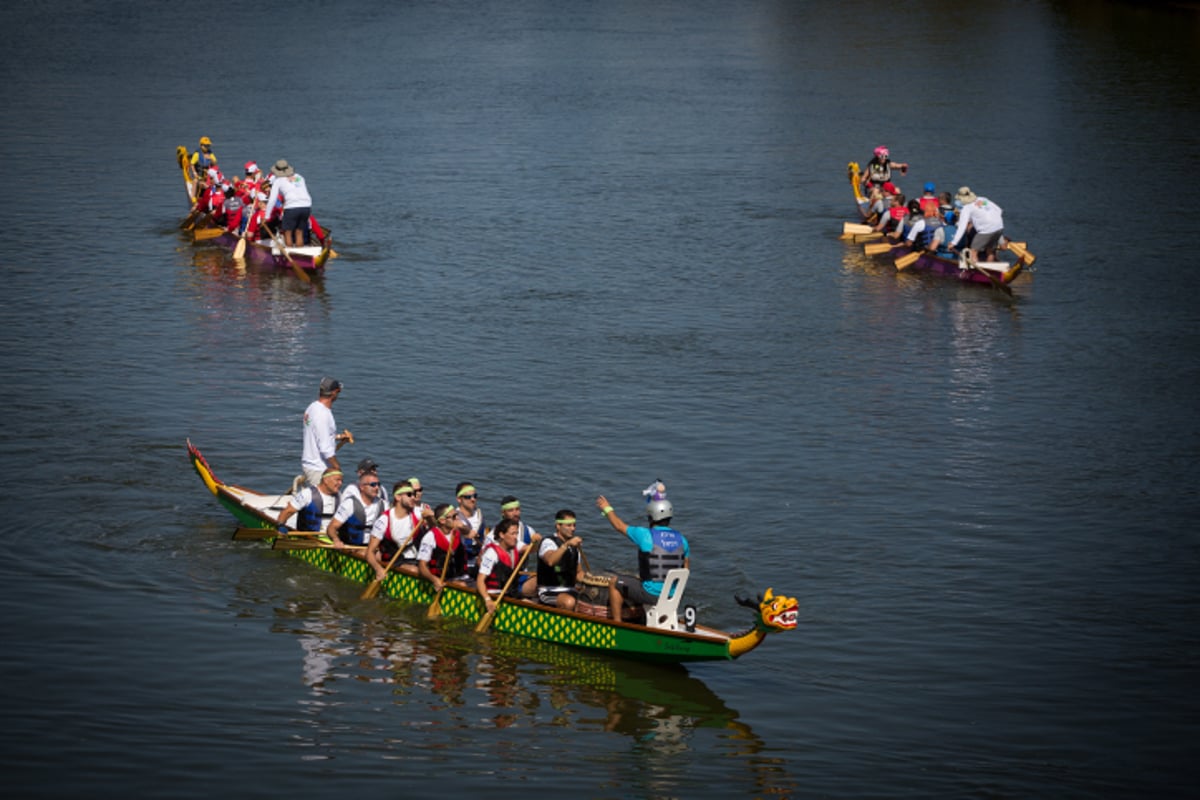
859, 238
1019, 248
289, 543
906, 261
240, 250
376, 584
486, 622
203, 234
283, 248
877, 249
970, 264
435, 608
248, 534
855, 227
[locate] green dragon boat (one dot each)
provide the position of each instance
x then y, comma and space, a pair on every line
666, 639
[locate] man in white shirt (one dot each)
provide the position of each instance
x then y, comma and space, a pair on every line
986, 218
289, 186
321, 439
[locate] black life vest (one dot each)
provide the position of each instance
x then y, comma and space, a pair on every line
562, 573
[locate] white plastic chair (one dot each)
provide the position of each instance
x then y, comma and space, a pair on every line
664, 614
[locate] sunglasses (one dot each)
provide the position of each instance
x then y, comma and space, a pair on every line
374, 483
469, 496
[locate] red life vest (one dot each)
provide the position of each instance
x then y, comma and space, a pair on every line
505, 562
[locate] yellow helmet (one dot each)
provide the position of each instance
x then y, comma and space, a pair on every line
205, 140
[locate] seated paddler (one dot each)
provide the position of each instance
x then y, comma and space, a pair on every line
441, 556
498, 560
313, 506
398, 528
356, 513
661, 549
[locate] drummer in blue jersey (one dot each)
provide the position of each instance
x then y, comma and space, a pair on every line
661, 549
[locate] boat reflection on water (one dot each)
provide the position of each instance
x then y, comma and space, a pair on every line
447, 676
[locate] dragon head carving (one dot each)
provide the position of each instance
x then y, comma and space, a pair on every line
775, 612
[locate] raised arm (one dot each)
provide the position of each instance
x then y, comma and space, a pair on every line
606, 510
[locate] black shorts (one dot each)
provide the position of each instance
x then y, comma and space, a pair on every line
632, 590
295, 219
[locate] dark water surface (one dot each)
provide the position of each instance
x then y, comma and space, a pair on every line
585, 245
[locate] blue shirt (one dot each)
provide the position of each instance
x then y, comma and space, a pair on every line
644, 540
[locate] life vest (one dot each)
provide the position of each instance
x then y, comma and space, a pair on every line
202, 160
929, 206
441, 546
312, 516
879, 171
932, 226
388, 545
562, 573
473, 547
505, 562
354, 529
665, 555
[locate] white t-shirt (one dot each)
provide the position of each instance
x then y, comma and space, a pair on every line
488, 559
428, 545
398, 524
293, 191
373, 511
305, 496
986, 216
320, 432
351, 490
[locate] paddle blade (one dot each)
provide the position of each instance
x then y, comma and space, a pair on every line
435, 608
486, 622
247, 534
877, 249
371, 590
240, 250
855, 227
904, 262
203, 234
859, 238
1019, 248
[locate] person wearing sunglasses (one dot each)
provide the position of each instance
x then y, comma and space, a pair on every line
357, 513
401, 526
472, 516
313, 506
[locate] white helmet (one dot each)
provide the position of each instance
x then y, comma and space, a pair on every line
658, 510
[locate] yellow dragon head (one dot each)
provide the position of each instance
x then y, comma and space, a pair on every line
775, 612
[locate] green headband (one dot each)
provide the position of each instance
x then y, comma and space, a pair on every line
403, 490
511, 506
564, 521
468, 489
329, 473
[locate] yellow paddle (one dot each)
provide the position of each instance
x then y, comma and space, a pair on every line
850, 229
1022, 253
878, 249
486, 622
435, 608
906, 261
203, 234
376, 584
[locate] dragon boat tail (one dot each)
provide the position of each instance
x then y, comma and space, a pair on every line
666, 639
